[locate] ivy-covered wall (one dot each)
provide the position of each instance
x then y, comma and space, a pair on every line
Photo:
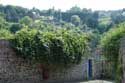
14, 69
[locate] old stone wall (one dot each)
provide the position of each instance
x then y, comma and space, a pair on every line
77, 72
16, 70
122, 49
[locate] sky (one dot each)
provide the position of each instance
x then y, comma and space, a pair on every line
67, 4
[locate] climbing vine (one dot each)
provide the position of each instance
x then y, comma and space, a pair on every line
61, 47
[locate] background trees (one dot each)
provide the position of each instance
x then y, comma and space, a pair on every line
15, 13
75, 19
14, 27
26, 21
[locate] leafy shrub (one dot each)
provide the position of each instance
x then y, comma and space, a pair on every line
63, 47
5, 34
15, 27
110, 44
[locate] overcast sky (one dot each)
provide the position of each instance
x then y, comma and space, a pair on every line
67, 4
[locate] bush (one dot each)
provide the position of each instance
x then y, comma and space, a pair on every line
15, 27
110, 45
63, 47
5, 34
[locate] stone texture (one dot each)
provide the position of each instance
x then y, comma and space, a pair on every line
13, 68
16, 70
123, 56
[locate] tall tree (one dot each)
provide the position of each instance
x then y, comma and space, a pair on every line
26, 21
75, 19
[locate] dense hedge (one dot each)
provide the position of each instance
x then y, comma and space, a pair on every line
110, 42
110, 45
61, 47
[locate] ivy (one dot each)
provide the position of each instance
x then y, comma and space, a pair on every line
63, 47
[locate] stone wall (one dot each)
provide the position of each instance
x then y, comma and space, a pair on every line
122, 49
77, 72
16, 70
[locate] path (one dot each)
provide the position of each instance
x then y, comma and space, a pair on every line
95, 81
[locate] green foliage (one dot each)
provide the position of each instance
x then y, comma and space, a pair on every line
104, 24
74, 9
63, 47
95, 38
13, 13
75, 19
40, 25
117, 17
15, 27
2, 22
26, 21
119, 71
5, 34
110, 44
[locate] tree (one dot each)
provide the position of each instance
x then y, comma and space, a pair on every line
75, 19
74, 9
3, 23
26, 21
13, 13
15, 27
92, 20
5, 34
